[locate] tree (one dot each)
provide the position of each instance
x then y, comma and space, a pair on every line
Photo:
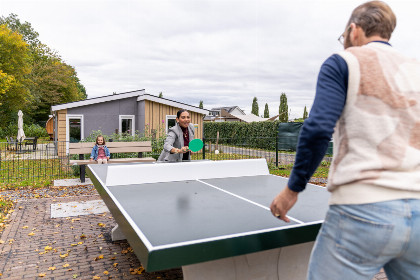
51, 80
160, 95
266, 111
283, 108
255, 109
14, 69
201, 104
305, 114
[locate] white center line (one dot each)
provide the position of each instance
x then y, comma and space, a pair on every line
245, 199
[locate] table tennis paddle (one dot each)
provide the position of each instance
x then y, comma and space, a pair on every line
195, 145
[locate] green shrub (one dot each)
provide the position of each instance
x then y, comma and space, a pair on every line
33, 130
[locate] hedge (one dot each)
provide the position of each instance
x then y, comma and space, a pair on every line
260, 135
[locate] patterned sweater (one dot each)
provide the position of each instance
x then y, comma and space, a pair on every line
377, 137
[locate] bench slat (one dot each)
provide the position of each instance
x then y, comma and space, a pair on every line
112, 150
114, 160
114, 147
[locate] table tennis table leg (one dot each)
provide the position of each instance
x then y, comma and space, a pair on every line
117, 234
290, 262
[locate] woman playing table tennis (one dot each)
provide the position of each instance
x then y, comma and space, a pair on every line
178, 138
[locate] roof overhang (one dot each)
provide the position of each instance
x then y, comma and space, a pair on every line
96, 100
172, 103
140, 94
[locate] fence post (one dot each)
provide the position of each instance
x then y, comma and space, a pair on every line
204, 148
277, 149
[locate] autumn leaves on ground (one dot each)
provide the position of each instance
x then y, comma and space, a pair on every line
37, 246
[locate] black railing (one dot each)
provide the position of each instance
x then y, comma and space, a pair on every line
32, 160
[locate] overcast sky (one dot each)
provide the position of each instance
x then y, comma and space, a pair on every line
220, 51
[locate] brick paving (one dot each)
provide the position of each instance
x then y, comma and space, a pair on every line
67, 248
39, 247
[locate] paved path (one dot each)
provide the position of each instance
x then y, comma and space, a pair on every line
77, 247
37, 246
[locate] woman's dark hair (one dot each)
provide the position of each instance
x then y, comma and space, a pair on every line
103, 138
178, 114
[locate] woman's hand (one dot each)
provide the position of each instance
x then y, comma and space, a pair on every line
183, 150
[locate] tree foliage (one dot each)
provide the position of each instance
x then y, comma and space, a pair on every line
266, 111
44, 80
305, 114
14, 70
201, 104
160, 94
283, 108
255, 109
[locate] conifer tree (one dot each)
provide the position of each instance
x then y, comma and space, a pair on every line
255, 106
283, 108
266, 111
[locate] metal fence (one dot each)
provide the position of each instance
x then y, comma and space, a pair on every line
24, 161
262, 147
49, 160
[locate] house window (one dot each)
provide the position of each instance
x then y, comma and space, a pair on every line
74, 131
170, 122
127, 124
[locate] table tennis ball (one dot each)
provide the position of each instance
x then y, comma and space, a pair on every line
216, 152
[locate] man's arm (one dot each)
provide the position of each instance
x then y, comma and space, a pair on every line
317, 130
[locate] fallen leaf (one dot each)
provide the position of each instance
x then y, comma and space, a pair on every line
82, 236
66, 265
24, 227
80, 243
1, 241
51, 268
74, 276
42, 274
48, 248
31, 233
64, 255
96, 277
136, 270
99, 257
106, 272
73, 244
101, 224
115, 264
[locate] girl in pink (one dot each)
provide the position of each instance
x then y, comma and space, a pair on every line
100, 152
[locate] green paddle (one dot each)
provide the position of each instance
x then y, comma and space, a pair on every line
195, 145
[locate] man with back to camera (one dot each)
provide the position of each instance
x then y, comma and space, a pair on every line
369, 96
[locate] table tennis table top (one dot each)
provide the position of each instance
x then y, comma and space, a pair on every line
175, 214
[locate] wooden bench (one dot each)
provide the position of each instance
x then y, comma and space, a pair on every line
83, 148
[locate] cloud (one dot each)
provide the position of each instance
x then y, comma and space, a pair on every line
222, 52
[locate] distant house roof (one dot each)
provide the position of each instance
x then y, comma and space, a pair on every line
141, 95
253, 118
229, 109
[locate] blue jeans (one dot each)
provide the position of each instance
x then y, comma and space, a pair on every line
356, 241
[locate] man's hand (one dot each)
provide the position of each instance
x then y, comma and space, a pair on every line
283, 202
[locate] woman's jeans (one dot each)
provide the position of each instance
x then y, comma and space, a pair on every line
356, 241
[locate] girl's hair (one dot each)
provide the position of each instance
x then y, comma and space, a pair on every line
178, 114
103, 143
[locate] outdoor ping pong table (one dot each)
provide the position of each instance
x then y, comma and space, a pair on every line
206, 214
